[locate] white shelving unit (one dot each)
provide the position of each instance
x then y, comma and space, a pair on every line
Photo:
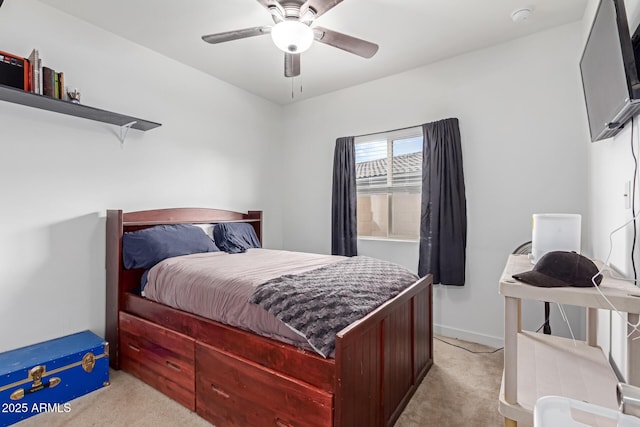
537, 365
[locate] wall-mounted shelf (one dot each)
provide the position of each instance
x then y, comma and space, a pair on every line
18, 96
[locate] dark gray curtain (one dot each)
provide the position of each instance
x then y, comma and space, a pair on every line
443, 227
344, 227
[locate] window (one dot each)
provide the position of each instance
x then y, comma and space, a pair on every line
389, 197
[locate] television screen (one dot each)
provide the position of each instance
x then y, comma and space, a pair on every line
608, 70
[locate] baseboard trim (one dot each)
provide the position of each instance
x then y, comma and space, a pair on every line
488, 340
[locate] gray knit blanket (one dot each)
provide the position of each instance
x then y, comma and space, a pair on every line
319, 303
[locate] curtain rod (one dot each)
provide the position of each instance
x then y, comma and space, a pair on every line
387, 131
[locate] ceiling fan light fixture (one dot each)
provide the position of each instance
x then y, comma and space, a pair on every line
292, 36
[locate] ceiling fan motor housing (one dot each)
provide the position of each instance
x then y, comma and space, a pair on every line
292, 32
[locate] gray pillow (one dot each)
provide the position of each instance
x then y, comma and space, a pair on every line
235, 237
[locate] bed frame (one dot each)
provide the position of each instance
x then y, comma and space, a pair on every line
233, 377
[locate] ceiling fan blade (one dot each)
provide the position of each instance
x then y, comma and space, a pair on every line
319, 6
236, 34
345, 42
291, 64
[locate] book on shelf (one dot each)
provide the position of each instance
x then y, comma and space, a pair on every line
29, 87
14, 71
48, 82
61, 86
35, 64
56, 85
45, 80
39, 76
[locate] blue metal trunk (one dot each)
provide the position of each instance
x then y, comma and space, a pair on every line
44, 377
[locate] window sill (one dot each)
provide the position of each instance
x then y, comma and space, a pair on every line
382, 239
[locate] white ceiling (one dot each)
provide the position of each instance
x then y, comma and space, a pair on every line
410, 33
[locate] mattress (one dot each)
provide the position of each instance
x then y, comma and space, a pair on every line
218, 285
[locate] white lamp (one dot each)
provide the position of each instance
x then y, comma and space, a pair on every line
292, 36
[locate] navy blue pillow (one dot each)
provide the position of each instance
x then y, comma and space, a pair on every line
145, 248
235, 237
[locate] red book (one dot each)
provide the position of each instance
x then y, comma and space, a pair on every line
14, 71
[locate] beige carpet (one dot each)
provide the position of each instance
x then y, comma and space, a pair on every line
461, 389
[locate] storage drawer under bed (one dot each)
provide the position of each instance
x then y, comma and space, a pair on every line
160, 357
235, 392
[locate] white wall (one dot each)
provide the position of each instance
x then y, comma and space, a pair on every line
610, 166
523, 137
523, 131
218, 147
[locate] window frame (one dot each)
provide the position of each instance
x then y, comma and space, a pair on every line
390, 137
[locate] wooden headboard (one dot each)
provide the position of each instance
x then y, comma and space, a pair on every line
119, 280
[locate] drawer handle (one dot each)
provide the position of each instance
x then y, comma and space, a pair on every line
220, 392
281, 423
134, 348
173, 366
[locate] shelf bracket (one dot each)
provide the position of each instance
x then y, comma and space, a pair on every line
124, 129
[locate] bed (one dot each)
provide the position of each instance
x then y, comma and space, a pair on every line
233, 377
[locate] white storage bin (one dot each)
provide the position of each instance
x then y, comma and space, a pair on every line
557, 411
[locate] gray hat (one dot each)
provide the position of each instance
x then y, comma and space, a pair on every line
560, 268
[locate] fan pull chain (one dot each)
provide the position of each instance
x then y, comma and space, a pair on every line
293, 88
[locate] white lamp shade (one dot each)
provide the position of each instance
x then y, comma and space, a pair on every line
292, 36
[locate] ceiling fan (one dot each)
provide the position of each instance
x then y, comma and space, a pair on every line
293, 34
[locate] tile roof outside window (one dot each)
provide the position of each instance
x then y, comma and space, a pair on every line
388, 201
405, 163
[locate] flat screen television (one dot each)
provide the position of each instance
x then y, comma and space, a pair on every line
609, 71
